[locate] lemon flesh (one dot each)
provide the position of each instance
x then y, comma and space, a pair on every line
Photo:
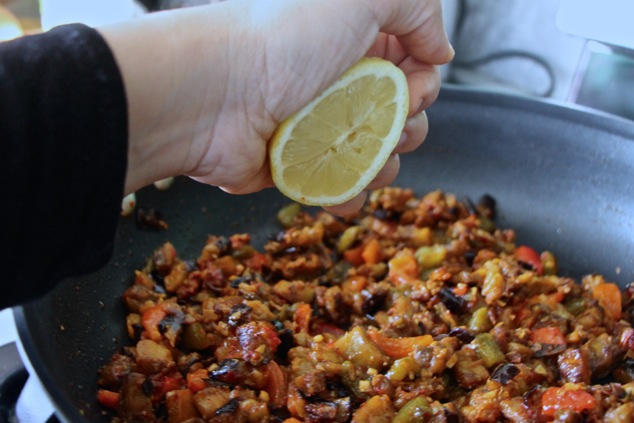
329, 151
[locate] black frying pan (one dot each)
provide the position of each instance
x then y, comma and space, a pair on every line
564, 178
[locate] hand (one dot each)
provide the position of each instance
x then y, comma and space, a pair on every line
232, 71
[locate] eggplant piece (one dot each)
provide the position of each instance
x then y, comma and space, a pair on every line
574, 366
136, 403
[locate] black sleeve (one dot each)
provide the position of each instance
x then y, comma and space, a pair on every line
63, 156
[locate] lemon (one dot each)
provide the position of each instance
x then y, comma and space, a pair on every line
328, 151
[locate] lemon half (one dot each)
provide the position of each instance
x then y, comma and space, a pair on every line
328, 151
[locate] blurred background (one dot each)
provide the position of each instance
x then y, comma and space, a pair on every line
578, 51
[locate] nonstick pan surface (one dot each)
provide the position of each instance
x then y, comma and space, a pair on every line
562, 177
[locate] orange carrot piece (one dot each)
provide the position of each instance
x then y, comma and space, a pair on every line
371, 253
555, 398
548, 335
399, 347
197, 380
108, 398
402, 269
609, 297
354, 256
151, 319
529, 256
302, 317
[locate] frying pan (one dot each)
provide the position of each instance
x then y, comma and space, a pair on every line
562, 177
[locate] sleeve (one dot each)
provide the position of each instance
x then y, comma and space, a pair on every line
63, 152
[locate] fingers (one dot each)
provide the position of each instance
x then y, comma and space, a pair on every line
424, 84
349, 207
243, 184
419, 26
414, 133
387, 175
423, 79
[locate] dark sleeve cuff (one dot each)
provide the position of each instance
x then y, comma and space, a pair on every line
63, 144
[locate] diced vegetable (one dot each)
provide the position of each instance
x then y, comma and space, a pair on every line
610, 298
371, 253
555, 398
403, 269
197, 380
399, 347
135, 402
479, 321
576, 305
259, 341
354, 255
377, 409
348, 238
133, 324
210, 400
152, 357
176, 277
469, 370
431, 256
416, 410
548, 335
180, 406
303, 314
621, 414
529, 256
493, 285
488, 350
151, 319
194, 337
574, 366
288, 213
163, 320
412, 310
295, 291
549, 263
295, 402
108, 398
276, 384
166, 384
357, 347
403, 368
504, 373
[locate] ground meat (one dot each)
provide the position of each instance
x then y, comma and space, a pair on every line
415, 309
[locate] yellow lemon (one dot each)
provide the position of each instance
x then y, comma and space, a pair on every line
328, 152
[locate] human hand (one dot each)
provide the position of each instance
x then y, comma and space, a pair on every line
251, 64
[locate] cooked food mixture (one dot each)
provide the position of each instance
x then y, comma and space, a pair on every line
416, 310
